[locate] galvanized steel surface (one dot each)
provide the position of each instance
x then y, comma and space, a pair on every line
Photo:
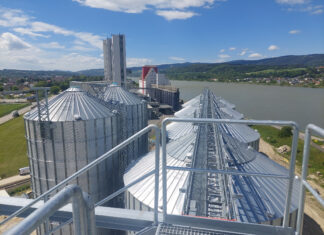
80, 130
133, 113
83, 213
257, 199
72, 105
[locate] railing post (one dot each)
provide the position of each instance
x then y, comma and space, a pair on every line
46, 223
303, 180
83, 215
301, 204
164, 172
157, 170
291, 174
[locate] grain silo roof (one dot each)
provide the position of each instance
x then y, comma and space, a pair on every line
121, 95
72, 104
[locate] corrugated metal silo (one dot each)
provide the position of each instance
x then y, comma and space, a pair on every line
133, 113
79, 130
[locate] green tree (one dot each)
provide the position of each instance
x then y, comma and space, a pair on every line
55, 90
41, 84
286, 131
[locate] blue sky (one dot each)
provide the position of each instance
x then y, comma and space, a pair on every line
67, 34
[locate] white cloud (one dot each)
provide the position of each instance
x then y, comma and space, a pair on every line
302, 6
243, 52
224, 56
81, 48
291, 2
52, 45
136, 62
232, 48
74, 62
222, 50
294, 31
38, 26
26, 31
34, 58
176, 58
176, 15
17, 53
12, 17
317, 12
273, 48
137, 6
255, 55
169, 9
9, 41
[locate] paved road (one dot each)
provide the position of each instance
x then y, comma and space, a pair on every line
13, 100
13, 179
20, 111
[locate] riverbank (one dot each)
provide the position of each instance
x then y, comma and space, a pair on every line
253, 83
314, 213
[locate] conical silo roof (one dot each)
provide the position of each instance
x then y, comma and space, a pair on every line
121, 95
73, 104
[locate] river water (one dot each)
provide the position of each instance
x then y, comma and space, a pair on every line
302, 105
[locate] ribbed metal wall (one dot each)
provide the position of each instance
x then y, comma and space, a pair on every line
79, 131
255, 200
133, 112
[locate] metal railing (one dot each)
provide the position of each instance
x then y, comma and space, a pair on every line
290, 175
304, 184
103, 157
82, 206
82, 209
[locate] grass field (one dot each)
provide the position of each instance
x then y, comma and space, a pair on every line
8, 108
316, 159
13, 150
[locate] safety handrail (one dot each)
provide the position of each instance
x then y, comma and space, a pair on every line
303, 181
82, 209
96, 162
111, 196
231, 121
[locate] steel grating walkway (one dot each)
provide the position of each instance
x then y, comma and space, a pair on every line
166, 229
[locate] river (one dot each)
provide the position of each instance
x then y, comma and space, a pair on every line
302, 105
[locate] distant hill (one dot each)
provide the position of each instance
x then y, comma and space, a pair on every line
292, 60
92, 72
15, 73
193, 70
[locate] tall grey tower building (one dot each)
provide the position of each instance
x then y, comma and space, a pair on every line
115, 59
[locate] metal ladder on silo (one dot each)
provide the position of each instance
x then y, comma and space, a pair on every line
42, 104
42, 109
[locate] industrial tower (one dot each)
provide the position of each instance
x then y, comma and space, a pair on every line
114, 52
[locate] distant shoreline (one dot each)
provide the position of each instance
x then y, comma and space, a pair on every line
253, 83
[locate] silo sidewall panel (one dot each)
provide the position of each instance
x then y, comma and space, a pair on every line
91, 156
41, 158
108, 145
50, 163
81, 152
100, 143
58, 137
69, 149
136, 129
